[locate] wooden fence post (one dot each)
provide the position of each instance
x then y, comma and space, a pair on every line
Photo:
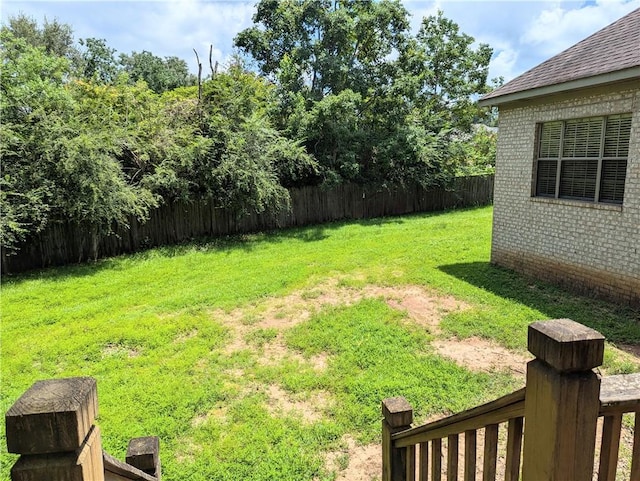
397, 464
562, 401
51, 427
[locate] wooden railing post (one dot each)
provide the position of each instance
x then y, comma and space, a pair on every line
562, 401
397, 464
51, 427
144, 454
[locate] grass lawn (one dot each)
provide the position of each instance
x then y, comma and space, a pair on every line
263, 356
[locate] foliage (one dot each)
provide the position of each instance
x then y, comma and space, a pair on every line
475, 153
346, 94
98, 61
158, 331
159, 74
448, 71
249, 161
324, 47
55, 38
370, 102
92, 146
58, 153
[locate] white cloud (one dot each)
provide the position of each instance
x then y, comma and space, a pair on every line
503, 64
175, 27
421, 9
560, 26
188, 24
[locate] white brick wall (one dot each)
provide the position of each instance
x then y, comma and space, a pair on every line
593, 247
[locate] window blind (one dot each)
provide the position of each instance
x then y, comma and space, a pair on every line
592, 153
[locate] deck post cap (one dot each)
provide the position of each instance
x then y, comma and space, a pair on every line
397, 412
566, 345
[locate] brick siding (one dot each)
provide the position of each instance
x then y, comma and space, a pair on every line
591, 248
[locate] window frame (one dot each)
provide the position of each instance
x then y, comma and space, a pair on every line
561, 160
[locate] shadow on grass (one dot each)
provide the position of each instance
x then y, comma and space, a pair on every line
225, 244
617, 323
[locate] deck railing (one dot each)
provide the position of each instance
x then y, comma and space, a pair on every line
52, 427
560, 404
487, 418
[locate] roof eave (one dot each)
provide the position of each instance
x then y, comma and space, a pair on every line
582, 83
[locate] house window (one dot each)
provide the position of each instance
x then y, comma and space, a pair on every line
583, 159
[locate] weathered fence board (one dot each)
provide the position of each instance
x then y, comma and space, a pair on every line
66, 243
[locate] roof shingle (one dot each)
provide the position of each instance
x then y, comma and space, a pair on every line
614, 48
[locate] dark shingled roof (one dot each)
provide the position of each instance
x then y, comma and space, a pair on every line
612, 49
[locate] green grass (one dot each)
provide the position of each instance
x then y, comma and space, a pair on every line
153, 329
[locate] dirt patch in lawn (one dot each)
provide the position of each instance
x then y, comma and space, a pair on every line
275, 352
355, 463
422, 306
633, 349
479, 354
252, 328
116, 350
309, 410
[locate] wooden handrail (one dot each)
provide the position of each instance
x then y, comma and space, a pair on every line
123, 470
498, 411
620, 394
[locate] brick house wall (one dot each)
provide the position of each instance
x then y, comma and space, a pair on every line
591, 248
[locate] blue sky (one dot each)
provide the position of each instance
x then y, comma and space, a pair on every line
522, 33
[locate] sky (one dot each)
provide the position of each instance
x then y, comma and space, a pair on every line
521, 33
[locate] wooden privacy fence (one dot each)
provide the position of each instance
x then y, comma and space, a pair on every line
66, 243
557, 411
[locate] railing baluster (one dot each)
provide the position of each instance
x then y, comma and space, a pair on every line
514, 447
423, 468
452, 458
470, 442
411, 463
436, 460
635, 462
490, 452
609, 448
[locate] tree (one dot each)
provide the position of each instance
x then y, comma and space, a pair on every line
54, 38
449, 72
325, 46
249, 161
98, 60
370, 102
160, 75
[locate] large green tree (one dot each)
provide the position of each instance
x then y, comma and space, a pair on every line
325, 46
97, 60
447, 71
53, 37
371, 102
